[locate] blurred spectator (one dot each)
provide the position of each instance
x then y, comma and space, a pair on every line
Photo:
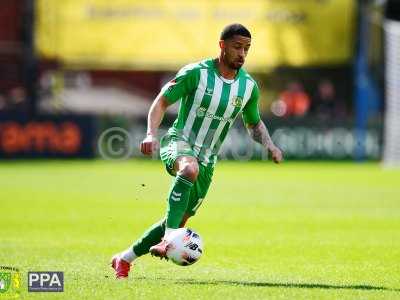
326, 104
15, 100
294, 101
3, 102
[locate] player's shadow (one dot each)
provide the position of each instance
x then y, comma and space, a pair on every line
285, 285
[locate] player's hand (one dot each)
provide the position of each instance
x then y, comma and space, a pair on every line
149, 145
276, 154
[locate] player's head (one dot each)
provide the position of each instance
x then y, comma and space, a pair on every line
234, 42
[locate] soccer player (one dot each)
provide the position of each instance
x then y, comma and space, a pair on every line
211, 94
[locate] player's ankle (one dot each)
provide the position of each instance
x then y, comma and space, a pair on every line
128, 255
168, 232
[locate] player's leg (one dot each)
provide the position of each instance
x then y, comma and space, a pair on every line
195, 198
199, 190
180, 162
186, 169
152, 236
184, 220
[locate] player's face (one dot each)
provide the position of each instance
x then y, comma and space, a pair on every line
234, 51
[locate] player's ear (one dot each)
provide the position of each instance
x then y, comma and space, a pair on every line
222, 44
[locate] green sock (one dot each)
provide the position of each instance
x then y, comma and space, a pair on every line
178, 201
151, 237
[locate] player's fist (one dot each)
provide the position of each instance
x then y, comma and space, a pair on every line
149, 145
276, 154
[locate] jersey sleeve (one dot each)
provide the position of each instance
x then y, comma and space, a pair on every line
251, 113
184, 83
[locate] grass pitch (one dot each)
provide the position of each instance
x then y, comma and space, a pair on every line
290, 231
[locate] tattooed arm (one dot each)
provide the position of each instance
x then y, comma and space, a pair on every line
259, 133
256, 127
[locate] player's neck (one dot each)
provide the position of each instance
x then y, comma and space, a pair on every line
224, 70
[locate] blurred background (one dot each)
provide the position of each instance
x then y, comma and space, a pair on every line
329, 73
77, 78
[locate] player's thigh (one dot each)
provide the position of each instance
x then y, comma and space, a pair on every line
172, 150
199, 190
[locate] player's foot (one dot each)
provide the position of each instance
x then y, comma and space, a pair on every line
160, 250
120, 266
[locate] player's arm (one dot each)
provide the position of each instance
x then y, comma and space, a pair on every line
256, 127
183, 84
260, 134
154, 119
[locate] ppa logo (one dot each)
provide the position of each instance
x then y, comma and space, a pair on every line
45, 282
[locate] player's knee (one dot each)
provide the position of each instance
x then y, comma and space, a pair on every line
190, 171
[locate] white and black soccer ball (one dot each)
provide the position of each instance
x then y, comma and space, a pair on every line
185, 246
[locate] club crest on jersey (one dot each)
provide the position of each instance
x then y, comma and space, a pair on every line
237, 102
201, 112
209, 91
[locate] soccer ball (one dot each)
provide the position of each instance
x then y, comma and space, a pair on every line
185, 247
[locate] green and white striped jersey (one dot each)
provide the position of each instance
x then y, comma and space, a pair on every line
209, 105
